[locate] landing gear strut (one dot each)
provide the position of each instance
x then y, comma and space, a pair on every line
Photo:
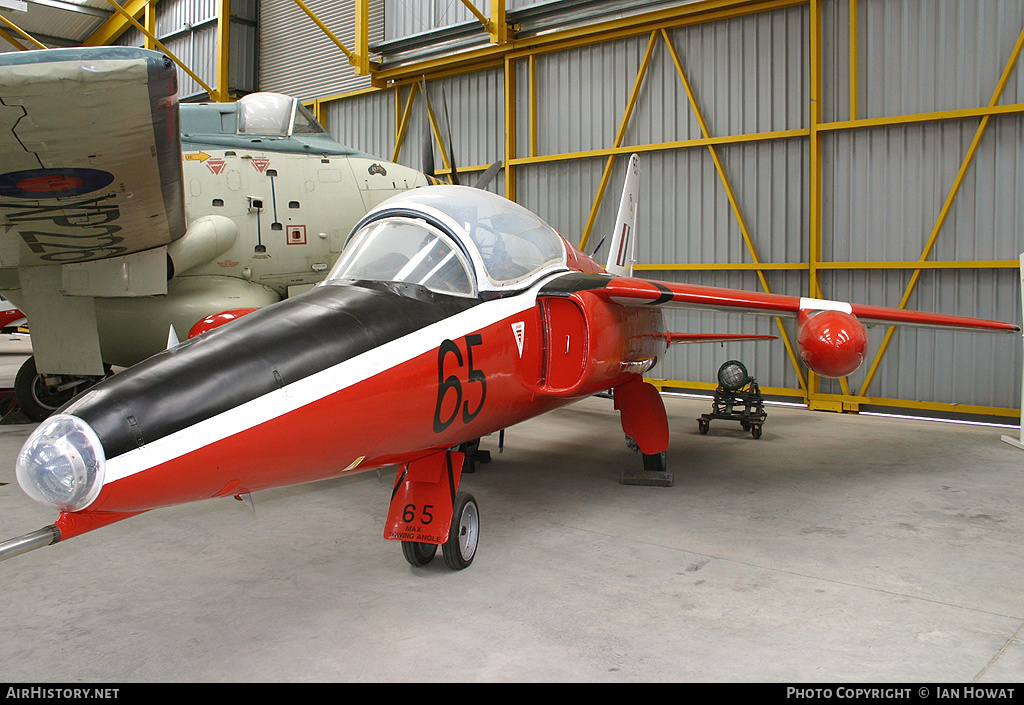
473, 455
645, 422
40, 395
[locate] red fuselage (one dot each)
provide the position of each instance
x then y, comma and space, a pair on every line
464, 373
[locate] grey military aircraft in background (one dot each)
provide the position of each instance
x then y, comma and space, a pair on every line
124, 213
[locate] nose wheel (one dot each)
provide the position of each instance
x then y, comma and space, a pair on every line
460, 548
39, 395
463, 538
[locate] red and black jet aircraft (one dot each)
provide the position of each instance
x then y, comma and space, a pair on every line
452, 313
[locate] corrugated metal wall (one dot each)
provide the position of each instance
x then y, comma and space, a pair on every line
882, 187
409, 17
368, 122
749, 75
297, 58
188, 28
406, 18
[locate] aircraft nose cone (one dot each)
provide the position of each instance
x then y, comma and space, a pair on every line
62, 464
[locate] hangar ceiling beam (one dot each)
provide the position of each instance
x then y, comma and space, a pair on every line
116, 25
72, 7
492, 56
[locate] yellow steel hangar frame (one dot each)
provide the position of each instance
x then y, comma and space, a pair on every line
506, 51
126, 15
501, 49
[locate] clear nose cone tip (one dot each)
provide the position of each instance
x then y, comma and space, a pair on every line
62, 464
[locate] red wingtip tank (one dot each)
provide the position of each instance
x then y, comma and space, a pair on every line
832, 343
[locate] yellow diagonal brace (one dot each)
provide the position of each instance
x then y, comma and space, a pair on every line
22, 32
968, 160
495, 25
161, 47
733, 202
619, 137
403, 124
116, 24
12, 41
477, 14
330, 35
437, 130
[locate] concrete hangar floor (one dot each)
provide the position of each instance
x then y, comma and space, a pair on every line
834, 548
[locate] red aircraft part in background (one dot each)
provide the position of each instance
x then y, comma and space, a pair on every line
215, 320
451, 314
10, 316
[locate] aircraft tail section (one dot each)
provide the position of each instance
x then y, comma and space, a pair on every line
622, 250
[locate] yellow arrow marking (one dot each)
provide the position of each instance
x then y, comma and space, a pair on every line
201, 157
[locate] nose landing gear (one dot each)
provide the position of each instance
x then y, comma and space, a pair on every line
463, 538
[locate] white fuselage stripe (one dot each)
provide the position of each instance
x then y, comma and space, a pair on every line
316, 386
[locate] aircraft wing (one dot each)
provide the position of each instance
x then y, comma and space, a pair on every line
677, 338
634, 291
90, 155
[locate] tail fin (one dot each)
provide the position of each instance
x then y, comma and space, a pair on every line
622, 250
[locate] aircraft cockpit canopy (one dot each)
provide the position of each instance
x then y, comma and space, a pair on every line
406, 250
275, 115
453, 240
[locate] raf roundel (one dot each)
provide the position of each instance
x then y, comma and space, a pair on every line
52, 183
